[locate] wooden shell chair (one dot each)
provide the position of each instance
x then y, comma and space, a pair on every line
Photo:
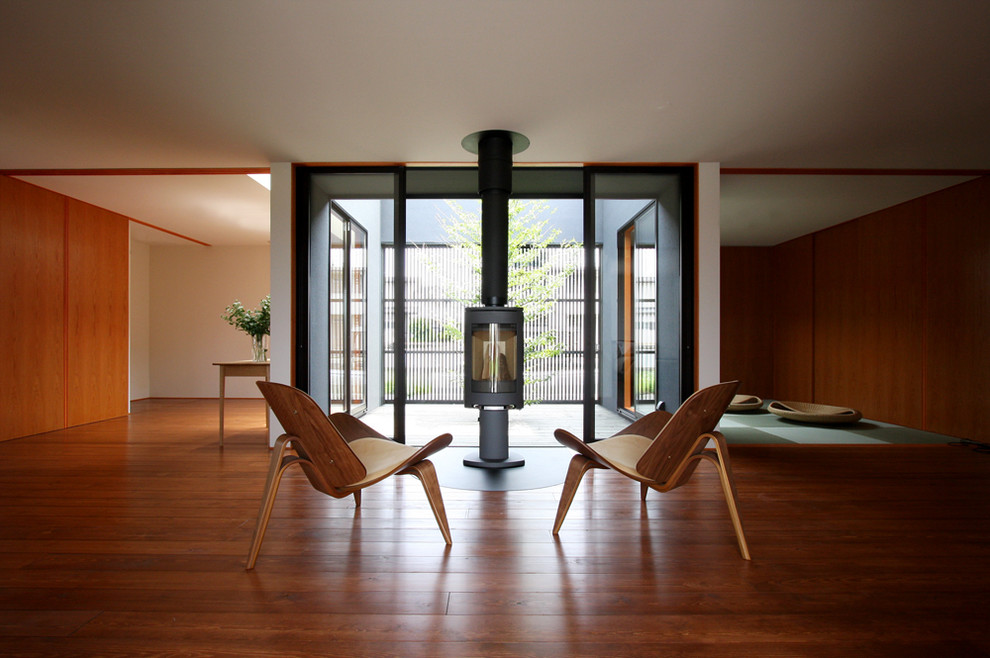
340, 456
660, 451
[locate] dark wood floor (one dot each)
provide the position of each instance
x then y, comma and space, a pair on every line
128, 538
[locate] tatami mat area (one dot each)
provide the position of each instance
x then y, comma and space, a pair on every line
534, 426
763, 427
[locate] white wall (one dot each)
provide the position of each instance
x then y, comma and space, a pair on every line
139, 308
281, 281
709, 258
190, 286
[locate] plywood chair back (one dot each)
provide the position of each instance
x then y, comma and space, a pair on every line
648, 426
684, 434
351, 428
667, 449
326, 459
340, 457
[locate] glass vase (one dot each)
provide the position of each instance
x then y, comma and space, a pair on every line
258, 351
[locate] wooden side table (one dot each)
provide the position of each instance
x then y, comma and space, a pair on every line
241, 369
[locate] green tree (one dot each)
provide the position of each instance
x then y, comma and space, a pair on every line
534, 280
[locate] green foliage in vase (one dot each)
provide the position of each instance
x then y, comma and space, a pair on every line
255, 323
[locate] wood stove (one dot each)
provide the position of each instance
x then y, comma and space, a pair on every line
493, 333
493, 357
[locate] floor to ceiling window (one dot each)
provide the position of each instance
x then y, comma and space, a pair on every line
339, 324
386, 263
442, 278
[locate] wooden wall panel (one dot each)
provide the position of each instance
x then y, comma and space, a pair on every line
869, 310
32, 236
957, 390
891, 263
840, 324
747, 319
97, 319
900, 315
792, 293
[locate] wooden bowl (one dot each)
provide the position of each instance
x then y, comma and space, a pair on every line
806, 412
745, 403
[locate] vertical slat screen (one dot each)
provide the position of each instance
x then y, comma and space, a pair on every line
437, 279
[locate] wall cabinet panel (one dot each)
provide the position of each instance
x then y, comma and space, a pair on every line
840, 324
65, 295
957, 353
32, 253
792, 291
747, 319
97, 253
869, 312
891, 266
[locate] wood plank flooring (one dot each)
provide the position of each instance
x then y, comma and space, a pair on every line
128, 538
531, 426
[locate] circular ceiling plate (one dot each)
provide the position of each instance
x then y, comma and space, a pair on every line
519, 141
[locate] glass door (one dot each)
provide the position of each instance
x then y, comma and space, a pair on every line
637, 367
646, 316
348, 313
357, 301
338, 311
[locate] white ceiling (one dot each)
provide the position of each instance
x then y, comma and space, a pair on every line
213, 209
795, 84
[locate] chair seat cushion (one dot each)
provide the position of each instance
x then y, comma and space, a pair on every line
623, 451
380, 456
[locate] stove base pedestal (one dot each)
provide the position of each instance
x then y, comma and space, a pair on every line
493, 444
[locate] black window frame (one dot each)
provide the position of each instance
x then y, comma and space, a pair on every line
688, 185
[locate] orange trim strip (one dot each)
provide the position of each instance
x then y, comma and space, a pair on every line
474, 163
165, 230
295, 165
770, 171
728, 171
638, 164
65, 311
229, 171
131, 219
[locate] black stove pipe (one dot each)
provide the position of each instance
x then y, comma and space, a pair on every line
495, 149
494, 185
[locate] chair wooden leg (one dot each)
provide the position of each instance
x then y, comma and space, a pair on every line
643, 490
575, 471
729, 489
427, 474
357, 498
275, 471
